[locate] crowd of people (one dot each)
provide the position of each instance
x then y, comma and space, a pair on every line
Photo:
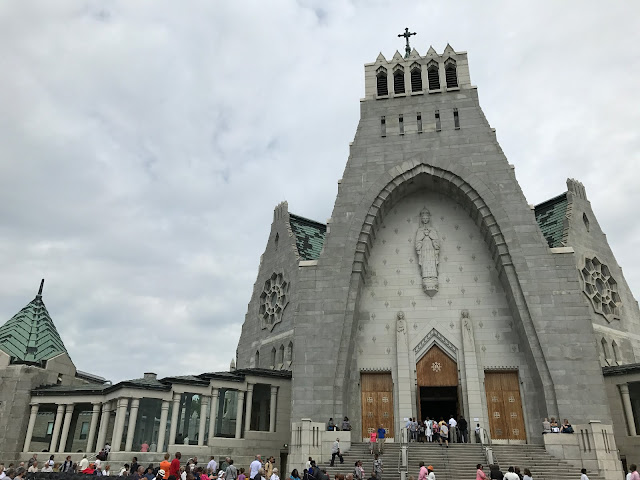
553, 427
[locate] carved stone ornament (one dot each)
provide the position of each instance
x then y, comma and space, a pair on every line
428, 250
601, 289
401, 324
273, 300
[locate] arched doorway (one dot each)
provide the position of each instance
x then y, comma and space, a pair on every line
437, 376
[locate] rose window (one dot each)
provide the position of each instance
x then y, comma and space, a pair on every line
601, 289
436, 366
273, 300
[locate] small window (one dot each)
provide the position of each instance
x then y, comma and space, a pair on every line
419, 120
605, 351
50, 428
438, 126
381, 80
616, 353
84, 430
290, 352
433, 75
456, 119
416, 78
383, 127
273, 357
281, 355
585, 219
401, 124
257, 359
398, 81
277, 240
451, 73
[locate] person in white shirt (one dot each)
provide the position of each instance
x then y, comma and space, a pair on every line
511, 475
47, 468
274, 475
583, 475
107, 470
84, 463
212, 466
33, 468
453, 430
2, 474
255, 466
431, 476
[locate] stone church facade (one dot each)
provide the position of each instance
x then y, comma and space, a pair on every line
434, 289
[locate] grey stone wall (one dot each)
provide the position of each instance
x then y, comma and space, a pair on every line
280, 258
588, 240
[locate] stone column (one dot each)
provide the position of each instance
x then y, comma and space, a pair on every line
104, 425
56, 429
164, 413
118, 428
247, 424
32, 424
272, 405
213, 415
131, 430
406, 401
472, 377
175, 410
204, 406
239, 412
92, 427
65, 428
628, 410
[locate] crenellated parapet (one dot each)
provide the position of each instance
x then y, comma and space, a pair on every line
415, 74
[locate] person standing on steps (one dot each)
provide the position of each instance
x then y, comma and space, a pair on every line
480, 475
377, 467
633, 470
423, 472
511, 475
431, 476
463, 429
381, 435
335, 451
583, 472
444, 434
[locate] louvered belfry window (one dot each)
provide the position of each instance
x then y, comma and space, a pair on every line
416, 79
398, 81
451, 74
434, 76
381, 78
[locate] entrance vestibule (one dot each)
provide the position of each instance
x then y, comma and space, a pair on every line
437, 379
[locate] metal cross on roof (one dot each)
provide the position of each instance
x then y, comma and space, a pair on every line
406, 35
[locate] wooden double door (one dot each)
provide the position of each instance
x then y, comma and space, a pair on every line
377, 403
504, 406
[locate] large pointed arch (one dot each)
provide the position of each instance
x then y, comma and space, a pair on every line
393, 186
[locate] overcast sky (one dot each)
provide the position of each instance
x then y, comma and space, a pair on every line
144, 145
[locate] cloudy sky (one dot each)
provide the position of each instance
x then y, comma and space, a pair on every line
143, 145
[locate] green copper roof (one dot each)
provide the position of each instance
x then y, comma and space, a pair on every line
550, 215
309, 236
30, 335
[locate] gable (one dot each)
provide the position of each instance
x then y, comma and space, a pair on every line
309, 235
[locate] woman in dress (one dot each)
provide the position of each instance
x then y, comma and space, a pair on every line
428, 430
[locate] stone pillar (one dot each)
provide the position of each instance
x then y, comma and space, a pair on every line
239, 414
118, 428
104, 425
175, 410
164, 413
65, 428
272, 405
628, 410
213, 415
247, 424
56, 429
204, 406
473, 383
403, 374
32, 423
92, 427
131, 430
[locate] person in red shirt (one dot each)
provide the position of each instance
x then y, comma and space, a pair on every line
175, 465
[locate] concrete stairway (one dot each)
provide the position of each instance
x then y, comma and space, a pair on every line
542, 464
458, 462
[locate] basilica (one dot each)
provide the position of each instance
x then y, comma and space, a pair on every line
434, 289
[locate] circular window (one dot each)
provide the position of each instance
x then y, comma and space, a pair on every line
273, 300
601, 289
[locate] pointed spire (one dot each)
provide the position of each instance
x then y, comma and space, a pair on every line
41, 287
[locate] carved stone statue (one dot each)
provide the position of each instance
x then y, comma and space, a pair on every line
428, 250
401, 324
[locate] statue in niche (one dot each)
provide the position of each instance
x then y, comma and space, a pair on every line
428, 250
401, 324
